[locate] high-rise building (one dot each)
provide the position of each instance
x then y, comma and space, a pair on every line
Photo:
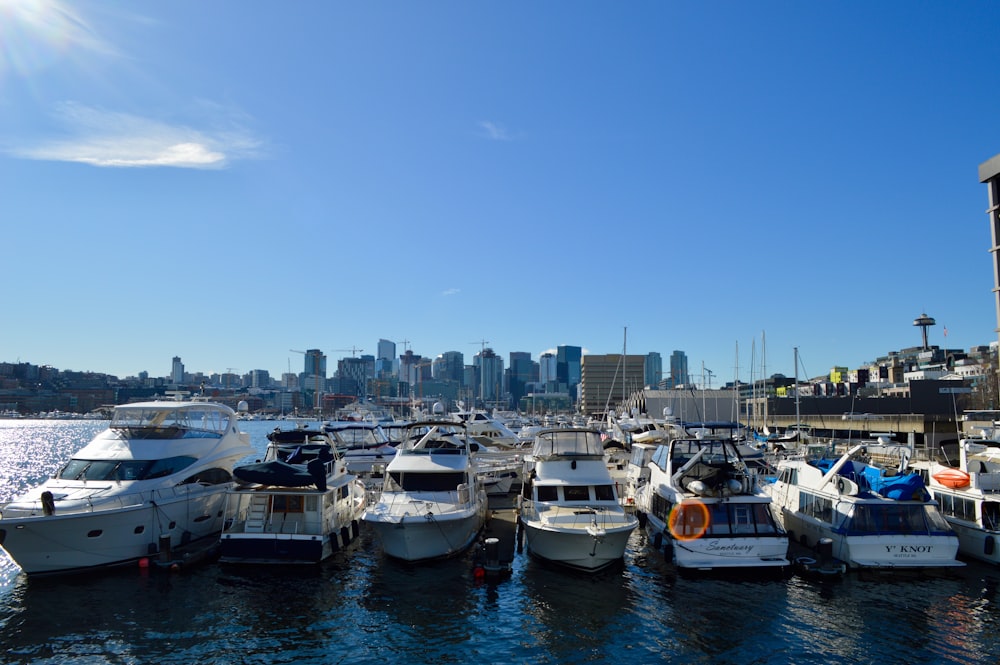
315, 363
654, 370
547, 369
449, 366
177, 371
489, 370
523, 370
678, 370
568, 371
607, 381
385, 361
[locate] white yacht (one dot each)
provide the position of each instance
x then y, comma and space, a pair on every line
299, 505
701, 501
569, 508
488, 430
433, 503
876, 517
363, 444
969, 496
155, 479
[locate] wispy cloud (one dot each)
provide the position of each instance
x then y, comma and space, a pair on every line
33, 32
111, 139
494, 131
450, 292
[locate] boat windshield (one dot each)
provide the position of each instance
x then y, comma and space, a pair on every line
152, 422
426, 482
586, 443
82, 469
896, 518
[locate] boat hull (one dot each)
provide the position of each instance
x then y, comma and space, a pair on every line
577, 548
711, 553
46, 544
423, 537
876, 550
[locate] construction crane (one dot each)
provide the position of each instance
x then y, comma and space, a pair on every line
316, 353
353, 350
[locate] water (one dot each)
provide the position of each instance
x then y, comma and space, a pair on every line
360, 607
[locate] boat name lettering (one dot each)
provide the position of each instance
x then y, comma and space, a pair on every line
909, 549
717, 546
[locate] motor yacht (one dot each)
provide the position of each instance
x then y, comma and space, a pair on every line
569, 508
155, 479
432, 504
299, 505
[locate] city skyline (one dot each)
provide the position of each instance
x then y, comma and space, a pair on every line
186, 178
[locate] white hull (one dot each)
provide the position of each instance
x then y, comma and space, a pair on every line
976, 542
714, 553
417, 537
589, 550
878, 551
77, 541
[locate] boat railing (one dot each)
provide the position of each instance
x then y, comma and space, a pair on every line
96, 503
439, 503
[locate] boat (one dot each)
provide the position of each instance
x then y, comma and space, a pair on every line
486, 429
498, 468
877, 516
569, 508
154, 480
702, 503
433, 504
969, 496
363, 444
298, 505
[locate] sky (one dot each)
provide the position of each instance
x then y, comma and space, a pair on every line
231, 182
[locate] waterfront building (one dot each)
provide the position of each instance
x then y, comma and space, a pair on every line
605, 380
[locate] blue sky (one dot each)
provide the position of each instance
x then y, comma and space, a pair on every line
226, 181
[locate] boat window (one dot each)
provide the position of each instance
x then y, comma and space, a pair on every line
604, 492
214, 476
547, 493
764, 519
286, 503
991, 515
815, 506
576, 493
887, 518
168, 466
718, 520
937, 522
689, 520
660, 457
430, 482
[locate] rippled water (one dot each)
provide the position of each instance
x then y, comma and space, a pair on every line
360, 607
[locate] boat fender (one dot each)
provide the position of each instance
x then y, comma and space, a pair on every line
988, 546
48, 503
334, 541
658, 541
641, 517
354, 529
345, 534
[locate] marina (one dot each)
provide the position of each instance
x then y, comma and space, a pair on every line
362, 606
